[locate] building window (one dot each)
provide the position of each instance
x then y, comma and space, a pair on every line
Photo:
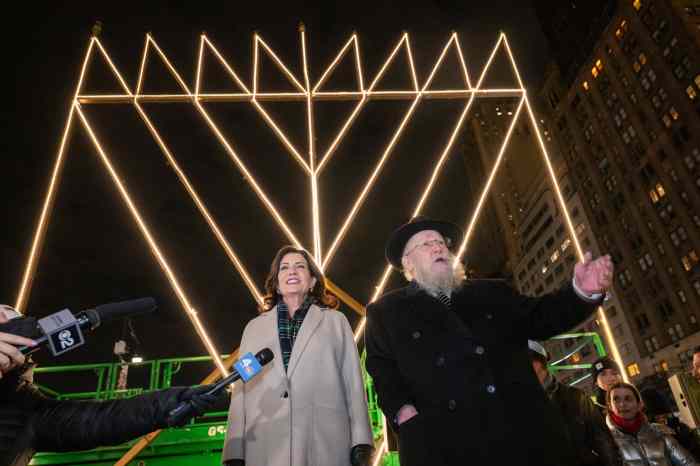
637, 4
647, 343
681, 296
690, 260
672, 334
679, 331
633, 370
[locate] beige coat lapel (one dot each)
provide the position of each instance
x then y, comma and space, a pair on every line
275, 347
308, 328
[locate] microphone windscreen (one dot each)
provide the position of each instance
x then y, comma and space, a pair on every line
264, 356
123, 309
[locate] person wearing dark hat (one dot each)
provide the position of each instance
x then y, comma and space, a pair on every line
605, 374
449, 357
589, 442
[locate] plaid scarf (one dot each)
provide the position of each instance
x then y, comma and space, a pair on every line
288, 329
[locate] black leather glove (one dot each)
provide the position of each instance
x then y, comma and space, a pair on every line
236, 462
197, 401
361, 455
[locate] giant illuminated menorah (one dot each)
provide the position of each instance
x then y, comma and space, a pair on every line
311, 161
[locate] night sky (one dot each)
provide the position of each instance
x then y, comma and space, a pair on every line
94, 253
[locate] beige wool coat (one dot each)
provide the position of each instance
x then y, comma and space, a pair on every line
313, 414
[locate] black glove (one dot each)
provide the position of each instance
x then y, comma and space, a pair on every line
361, 455
191, 402
236, 462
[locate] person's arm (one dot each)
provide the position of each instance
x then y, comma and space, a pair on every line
540, 318
382, 365
360, 430
679, 455
598, 436
83, 425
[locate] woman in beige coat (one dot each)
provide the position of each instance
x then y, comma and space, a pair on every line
308, 405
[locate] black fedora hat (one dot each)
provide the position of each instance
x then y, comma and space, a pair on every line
400, 236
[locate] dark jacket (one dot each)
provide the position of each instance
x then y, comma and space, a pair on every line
31, 422
468, 373
589, 437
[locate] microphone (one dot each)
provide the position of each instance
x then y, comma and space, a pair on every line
62, 331
247, 367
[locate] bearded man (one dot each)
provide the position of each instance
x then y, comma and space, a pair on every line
449, 356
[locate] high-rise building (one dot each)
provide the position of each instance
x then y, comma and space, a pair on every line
628, 126
533, 233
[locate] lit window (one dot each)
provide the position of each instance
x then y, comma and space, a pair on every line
681, 296
664, 366
565, 244
544, 269
575, 358
554, 256
673, 112
636, 66
585, 85
642, 59
697, 80
618, 33
660, 189
637, 4
686, 263
690, 90
654, 197
594, 72
599, 64
633, 370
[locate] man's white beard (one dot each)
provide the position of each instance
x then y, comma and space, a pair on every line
445, 280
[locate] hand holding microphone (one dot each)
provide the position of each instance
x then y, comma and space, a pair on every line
199, 399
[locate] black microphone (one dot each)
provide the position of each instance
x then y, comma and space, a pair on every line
62, 331
186, 409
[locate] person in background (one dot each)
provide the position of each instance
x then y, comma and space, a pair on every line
605, 374
590, 442
30, 421
641, 443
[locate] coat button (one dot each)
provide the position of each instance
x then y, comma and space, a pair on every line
479, 350
452, 405
491, 388
440, 361
416, 335
285, 395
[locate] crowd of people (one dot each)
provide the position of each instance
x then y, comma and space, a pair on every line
456, 363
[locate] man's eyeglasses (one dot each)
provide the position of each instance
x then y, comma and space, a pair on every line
446, 243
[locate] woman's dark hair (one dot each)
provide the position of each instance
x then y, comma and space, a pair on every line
318, 293
626, 385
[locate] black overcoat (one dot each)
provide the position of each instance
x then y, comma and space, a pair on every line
468, 373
